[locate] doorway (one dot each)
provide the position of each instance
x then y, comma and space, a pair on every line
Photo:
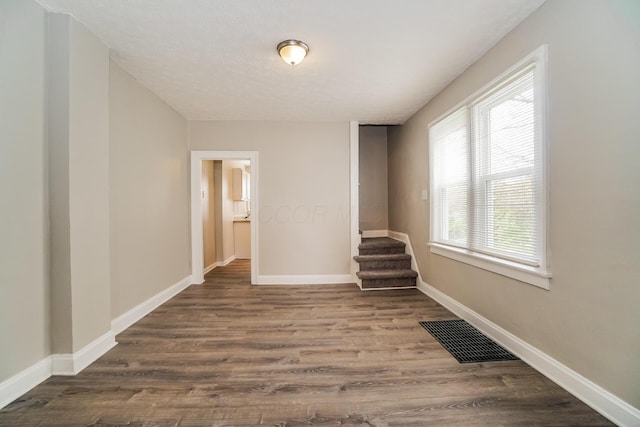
244, 211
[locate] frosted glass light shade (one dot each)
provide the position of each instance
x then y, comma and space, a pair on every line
292, 51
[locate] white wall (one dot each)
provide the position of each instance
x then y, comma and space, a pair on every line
149, 193
303, 186
24, 275
589, 319
373, 178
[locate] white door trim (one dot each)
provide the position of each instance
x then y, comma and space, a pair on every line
197, 264
354, 179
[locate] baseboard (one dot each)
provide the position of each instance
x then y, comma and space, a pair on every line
387, 289
609, 405
208, 269
55, 364
14, 387
305, 279
72, 364
226, 261
127, 319
220, 264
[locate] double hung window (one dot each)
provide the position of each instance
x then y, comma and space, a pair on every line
488, 184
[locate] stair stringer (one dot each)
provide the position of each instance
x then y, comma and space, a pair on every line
407, 249
354, 264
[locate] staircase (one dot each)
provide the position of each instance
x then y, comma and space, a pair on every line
384, 264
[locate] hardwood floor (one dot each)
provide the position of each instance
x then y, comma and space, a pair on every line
231, 354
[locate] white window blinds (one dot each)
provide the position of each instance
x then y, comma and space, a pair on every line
450, 149
505, 188
486, 166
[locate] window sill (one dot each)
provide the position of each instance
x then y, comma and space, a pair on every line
510, 269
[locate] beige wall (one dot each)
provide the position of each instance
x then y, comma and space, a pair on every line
217, 180
149, 193
240, 208
373, 178
78, 134
58, 151
208, 214
589, 319
24, 300
108, 200
223, 209
89, 185
303, 186
228, 248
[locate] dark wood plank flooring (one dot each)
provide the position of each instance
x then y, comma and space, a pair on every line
231, 354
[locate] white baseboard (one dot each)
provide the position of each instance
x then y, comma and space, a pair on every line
221, 263
305, 279
607, 404
127, 319
355, 279
55, 364
226, 261
23, 381
366, 234
72, 364
387, 289
62, 364
208, 269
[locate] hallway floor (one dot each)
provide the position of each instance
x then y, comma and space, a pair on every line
231, 354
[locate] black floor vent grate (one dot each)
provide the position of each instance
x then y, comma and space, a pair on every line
466, 343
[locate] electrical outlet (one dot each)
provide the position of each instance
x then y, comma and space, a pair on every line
425, 195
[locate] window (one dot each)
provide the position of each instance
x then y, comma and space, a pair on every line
488, 186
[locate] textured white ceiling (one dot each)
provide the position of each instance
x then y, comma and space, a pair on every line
375, 61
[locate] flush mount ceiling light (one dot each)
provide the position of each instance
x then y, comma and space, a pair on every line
292, 51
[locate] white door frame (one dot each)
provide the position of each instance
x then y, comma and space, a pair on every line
354, 184
197, 251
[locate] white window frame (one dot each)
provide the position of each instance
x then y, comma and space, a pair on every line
538, 275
